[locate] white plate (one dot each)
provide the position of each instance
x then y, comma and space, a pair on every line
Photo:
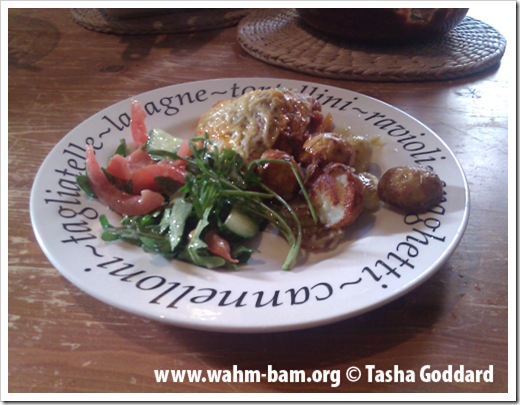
385, 256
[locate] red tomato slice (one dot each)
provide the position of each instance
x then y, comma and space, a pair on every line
144, 178
118, 167
115, 199
219, 246
123, 167
137, 124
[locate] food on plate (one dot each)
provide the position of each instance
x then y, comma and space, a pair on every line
115, 198
369, 182
363, 148
412, 189
337, 196
261, 120
267, 158
315, 236
327, 147
277, 173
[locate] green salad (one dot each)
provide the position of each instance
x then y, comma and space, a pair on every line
205, 218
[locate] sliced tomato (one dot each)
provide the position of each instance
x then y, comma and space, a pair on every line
219, 246
118, 167
115, 199
144, 178
124, 167
139, 158
137, 124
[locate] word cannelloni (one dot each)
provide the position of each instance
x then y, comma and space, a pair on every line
399, 262
173, 294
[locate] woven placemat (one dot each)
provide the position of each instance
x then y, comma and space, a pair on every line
279, 37
167, 21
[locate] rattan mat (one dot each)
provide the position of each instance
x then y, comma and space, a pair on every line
169, 21
279, 37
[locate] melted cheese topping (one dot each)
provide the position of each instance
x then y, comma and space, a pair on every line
253, 122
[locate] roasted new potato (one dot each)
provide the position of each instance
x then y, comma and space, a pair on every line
337, 196
411, 189
279, 177
326, 148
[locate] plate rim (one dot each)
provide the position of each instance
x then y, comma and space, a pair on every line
414, 283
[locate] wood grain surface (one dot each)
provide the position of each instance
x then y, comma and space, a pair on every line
61, 340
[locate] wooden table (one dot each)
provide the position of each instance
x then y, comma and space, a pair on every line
62, 340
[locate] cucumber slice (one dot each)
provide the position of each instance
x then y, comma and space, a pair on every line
240, 224
159, 140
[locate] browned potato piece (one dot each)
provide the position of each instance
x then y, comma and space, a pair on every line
326, 148
412, 189
315, 236
337, 196
279, 177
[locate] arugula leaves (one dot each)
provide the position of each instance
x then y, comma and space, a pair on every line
216, 181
